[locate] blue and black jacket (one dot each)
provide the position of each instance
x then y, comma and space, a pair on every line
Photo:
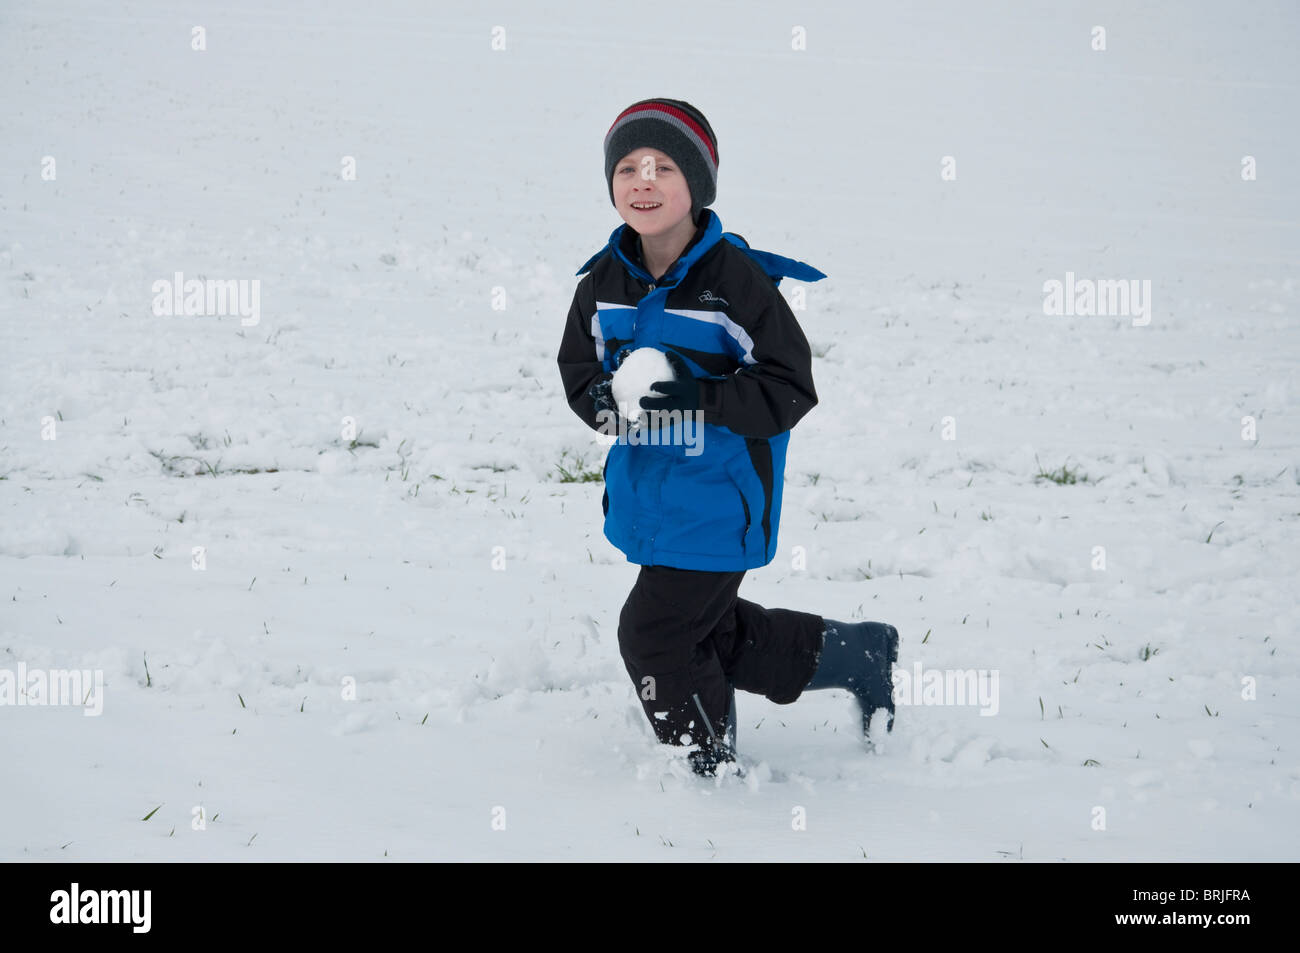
719, 308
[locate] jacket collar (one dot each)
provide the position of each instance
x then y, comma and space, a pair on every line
622, 244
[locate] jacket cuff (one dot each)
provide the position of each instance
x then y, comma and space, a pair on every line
711, 400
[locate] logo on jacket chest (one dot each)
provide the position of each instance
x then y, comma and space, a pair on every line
710, 296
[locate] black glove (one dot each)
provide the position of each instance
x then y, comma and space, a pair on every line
681, 393
601, 393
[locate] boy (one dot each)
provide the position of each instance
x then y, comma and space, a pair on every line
697, 521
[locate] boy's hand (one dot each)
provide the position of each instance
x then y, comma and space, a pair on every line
681, 393
602, 393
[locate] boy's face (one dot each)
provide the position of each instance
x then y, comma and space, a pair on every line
648, 177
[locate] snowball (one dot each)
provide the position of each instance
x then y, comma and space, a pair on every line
632, 380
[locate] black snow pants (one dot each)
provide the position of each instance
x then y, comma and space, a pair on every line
684, 632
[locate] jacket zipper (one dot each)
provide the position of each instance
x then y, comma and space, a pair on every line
638, 311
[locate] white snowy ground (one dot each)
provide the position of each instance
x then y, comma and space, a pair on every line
480, 689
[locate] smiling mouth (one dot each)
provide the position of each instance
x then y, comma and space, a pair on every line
646, 206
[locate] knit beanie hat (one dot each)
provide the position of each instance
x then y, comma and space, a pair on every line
676, 129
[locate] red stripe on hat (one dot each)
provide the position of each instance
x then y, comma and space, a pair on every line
675, 113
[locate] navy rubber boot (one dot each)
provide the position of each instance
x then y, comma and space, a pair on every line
712, 754
859, 656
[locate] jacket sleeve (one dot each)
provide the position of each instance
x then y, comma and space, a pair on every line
579, 364
769, 397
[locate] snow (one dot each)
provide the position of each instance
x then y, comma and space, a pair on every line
346, 606
634, 378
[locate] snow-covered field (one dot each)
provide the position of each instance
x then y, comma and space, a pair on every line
402, 643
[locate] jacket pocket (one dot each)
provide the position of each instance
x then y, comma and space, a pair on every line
750, 491
744, 503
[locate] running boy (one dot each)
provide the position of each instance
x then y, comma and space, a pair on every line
670, 279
